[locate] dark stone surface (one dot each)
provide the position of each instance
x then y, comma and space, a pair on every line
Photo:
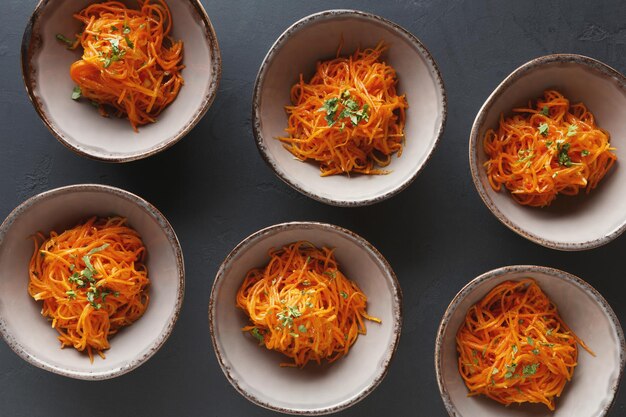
215, 190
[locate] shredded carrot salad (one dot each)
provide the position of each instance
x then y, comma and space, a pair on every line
92, 281
552, 148
129, 62
349, 117
300, 304
514, 347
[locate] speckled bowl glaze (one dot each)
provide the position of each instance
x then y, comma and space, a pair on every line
591, 391
78, 125
316, 37
254, 371
29, 334
570, 223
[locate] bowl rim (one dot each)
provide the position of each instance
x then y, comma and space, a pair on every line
595, 66
330, 15
28, 77
494, 273
258, 237
164, 334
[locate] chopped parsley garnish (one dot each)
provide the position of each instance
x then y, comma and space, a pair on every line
114, 29
530, 369
256, 333
126, 30
76, 93
68, 42
130, 43
495, 371
530, 340
98, 249
287, 315
350, 110
584, 152
302, 328
86, 277
549, 143
510, 370
564, 158
514, 348
535, 351
332, 274
571, 130
116, 53
71, 294
343, 294
543, 129
549, 332
545, 111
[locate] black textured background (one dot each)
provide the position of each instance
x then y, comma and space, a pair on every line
215, 190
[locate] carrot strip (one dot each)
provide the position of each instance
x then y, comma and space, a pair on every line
301, 304
554, 148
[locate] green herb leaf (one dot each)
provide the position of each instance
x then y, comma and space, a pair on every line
549, 143
126, 30
76, 93
302, 328
256, 333
98, 249
571, 130
343, 294
332, 274
66, 41
130, 43
71, 294
545, 111
514, 348
543, 129
530, 369
584, 152
549, 332
564, 158
294, 311
536, 351
495, 371
530, 340
114, 29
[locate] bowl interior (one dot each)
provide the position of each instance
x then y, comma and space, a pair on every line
79, 123
255, 371
584, 220
298, 51
27, 330
592, 388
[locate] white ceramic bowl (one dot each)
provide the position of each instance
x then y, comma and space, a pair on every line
77, 125
591, 391
29, 334
316, 37
570, 223
254, 371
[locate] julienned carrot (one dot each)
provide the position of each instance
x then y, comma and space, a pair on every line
300, 304
553, 148
91, 280
129, 61
514, 347
349, 117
